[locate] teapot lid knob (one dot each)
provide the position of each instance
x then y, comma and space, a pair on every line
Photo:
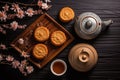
83, 56
88, 24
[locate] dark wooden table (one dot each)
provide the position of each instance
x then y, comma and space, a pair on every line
107, 43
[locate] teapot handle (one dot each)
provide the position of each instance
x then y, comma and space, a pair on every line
76, 18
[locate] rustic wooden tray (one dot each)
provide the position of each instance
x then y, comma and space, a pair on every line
28, 37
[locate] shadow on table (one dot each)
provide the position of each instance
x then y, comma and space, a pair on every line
69, 75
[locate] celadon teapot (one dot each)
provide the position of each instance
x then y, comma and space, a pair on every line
88, 25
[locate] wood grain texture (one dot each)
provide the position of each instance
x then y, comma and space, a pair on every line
107, 43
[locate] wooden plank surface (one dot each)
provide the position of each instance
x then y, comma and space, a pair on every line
107, 43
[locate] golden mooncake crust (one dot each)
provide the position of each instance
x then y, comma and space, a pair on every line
40, 51
58, 38
41, 34
66, 14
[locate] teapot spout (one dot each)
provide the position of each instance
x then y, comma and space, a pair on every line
105, 24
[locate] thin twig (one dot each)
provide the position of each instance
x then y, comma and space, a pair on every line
18, 3
5, 62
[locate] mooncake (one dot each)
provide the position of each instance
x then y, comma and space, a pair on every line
41, 34
58, 38
40, 51
66, 14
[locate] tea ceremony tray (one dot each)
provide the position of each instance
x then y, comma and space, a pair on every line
28, 37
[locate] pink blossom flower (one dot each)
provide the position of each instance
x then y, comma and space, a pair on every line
22, 26
20, 14
25, 55
23, 63
1, 29
44, 6
1, 57
5, 26
47, 1
30, 12
9, 58
21, 69
3, 16
3, 47
6, 7
29, 69
4, 32
39, 3
14, 25
15, 64
15, 7
21, 41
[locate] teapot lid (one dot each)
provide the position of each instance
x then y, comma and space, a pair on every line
89, 25
83, 57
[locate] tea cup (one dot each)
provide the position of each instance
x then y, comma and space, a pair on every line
58, 67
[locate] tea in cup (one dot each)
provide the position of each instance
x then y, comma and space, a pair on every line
58, 67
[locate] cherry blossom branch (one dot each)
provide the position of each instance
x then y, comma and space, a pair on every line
11, 11
19, 12
23, 4
13, 25
20, 15
20, 41
23, 66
